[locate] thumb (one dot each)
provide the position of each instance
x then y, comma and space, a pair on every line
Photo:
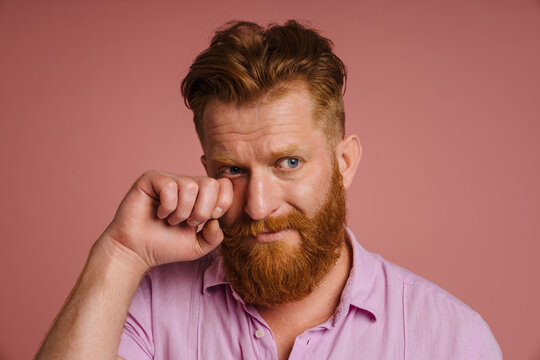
209, 237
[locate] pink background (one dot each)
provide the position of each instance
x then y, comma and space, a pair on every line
443, 94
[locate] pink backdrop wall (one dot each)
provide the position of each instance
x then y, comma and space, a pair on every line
444, 95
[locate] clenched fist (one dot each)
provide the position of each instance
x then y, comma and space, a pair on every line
159, 217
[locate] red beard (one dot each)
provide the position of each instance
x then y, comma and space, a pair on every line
266, 274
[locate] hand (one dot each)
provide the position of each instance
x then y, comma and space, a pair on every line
158, 218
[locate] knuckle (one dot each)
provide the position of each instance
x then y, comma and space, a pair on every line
224, 182
226, 195
149, 174
199, 215
214, 183
202, 212
210, 183
224, 201
190, 186
186, 198
169, 184
225, 186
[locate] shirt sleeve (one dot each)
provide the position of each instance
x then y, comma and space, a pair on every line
136, 342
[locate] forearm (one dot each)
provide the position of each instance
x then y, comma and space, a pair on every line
91, 322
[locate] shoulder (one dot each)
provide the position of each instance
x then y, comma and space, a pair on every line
438, 323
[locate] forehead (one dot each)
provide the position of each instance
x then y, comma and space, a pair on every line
285, 121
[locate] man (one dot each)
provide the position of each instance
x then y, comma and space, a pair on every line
255, 261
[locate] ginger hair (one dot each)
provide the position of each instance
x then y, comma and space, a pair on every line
246, 63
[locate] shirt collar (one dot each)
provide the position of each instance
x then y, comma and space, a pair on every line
214, 275
362, 289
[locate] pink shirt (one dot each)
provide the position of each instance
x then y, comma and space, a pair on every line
189, 311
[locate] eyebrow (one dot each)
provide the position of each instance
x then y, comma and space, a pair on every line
228, 159
224, 159
285, 152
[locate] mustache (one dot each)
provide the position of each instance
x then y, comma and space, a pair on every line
246, 227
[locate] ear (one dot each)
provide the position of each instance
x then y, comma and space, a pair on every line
348, 154
203, 161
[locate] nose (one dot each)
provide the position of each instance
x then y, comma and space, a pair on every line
262, 196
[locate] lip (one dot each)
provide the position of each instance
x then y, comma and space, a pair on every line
271, 236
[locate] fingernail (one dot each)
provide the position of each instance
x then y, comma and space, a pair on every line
217, 212
192, 223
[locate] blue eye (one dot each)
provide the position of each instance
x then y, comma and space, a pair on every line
234, 170
231, 170
289, 163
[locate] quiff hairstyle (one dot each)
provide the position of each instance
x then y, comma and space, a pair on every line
246, 63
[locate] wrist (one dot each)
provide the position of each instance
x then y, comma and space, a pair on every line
116, 257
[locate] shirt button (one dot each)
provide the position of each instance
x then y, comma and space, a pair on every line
259, 333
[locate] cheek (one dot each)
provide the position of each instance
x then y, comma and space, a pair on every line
307, 194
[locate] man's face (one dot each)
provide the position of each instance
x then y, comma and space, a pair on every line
284, 175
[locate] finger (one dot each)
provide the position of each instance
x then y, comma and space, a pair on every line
209, 237
206, 201
224, 198
187, 195
167, 191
